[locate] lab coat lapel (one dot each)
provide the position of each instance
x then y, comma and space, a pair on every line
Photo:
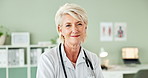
67, 62
80, 57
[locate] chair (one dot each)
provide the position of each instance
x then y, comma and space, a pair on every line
142, 74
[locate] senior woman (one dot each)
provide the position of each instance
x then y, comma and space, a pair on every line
69, 59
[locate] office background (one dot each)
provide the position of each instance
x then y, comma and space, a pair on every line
37, 17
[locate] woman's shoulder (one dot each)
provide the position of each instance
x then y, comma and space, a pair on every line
49, 59
93, 58
90, 54
50, 53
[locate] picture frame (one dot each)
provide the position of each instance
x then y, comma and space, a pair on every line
120, 31
106, 31
20, 38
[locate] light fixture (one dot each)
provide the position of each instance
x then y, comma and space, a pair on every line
104, 61
103, 53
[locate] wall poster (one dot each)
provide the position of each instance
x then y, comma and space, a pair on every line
106, 31
120, 31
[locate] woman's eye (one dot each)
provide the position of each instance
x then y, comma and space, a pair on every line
67, 25
80, 24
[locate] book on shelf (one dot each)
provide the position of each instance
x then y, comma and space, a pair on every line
16, 57
3, 58
35, 55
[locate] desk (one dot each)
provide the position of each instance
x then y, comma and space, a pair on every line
118, 70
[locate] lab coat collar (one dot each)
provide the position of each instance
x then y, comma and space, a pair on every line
68, 62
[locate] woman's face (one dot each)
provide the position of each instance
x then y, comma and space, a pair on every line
73, 30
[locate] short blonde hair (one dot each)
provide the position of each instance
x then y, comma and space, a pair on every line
71, 9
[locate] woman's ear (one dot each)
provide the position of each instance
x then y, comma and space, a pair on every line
59, 28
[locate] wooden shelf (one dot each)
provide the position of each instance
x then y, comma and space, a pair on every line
27, 57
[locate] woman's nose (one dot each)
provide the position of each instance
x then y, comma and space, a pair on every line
74, 29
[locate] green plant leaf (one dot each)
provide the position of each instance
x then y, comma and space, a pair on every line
4, 30
1, 34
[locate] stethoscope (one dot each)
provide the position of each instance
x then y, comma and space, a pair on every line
87, 61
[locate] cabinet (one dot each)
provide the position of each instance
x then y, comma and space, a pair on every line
19, 68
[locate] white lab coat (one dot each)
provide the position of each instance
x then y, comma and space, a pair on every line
50, 66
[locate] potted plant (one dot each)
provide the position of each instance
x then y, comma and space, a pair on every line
53, 40
3, 34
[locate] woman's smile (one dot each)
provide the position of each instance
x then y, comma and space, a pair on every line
75, 36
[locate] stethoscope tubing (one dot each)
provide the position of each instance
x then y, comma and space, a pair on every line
62, 61
88, 62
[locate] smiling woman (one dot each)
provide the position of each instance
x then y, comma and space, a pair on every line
77, 13
69, 59
72, 30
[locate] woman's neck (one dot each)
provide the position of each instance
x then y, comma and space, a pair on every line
72, 51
